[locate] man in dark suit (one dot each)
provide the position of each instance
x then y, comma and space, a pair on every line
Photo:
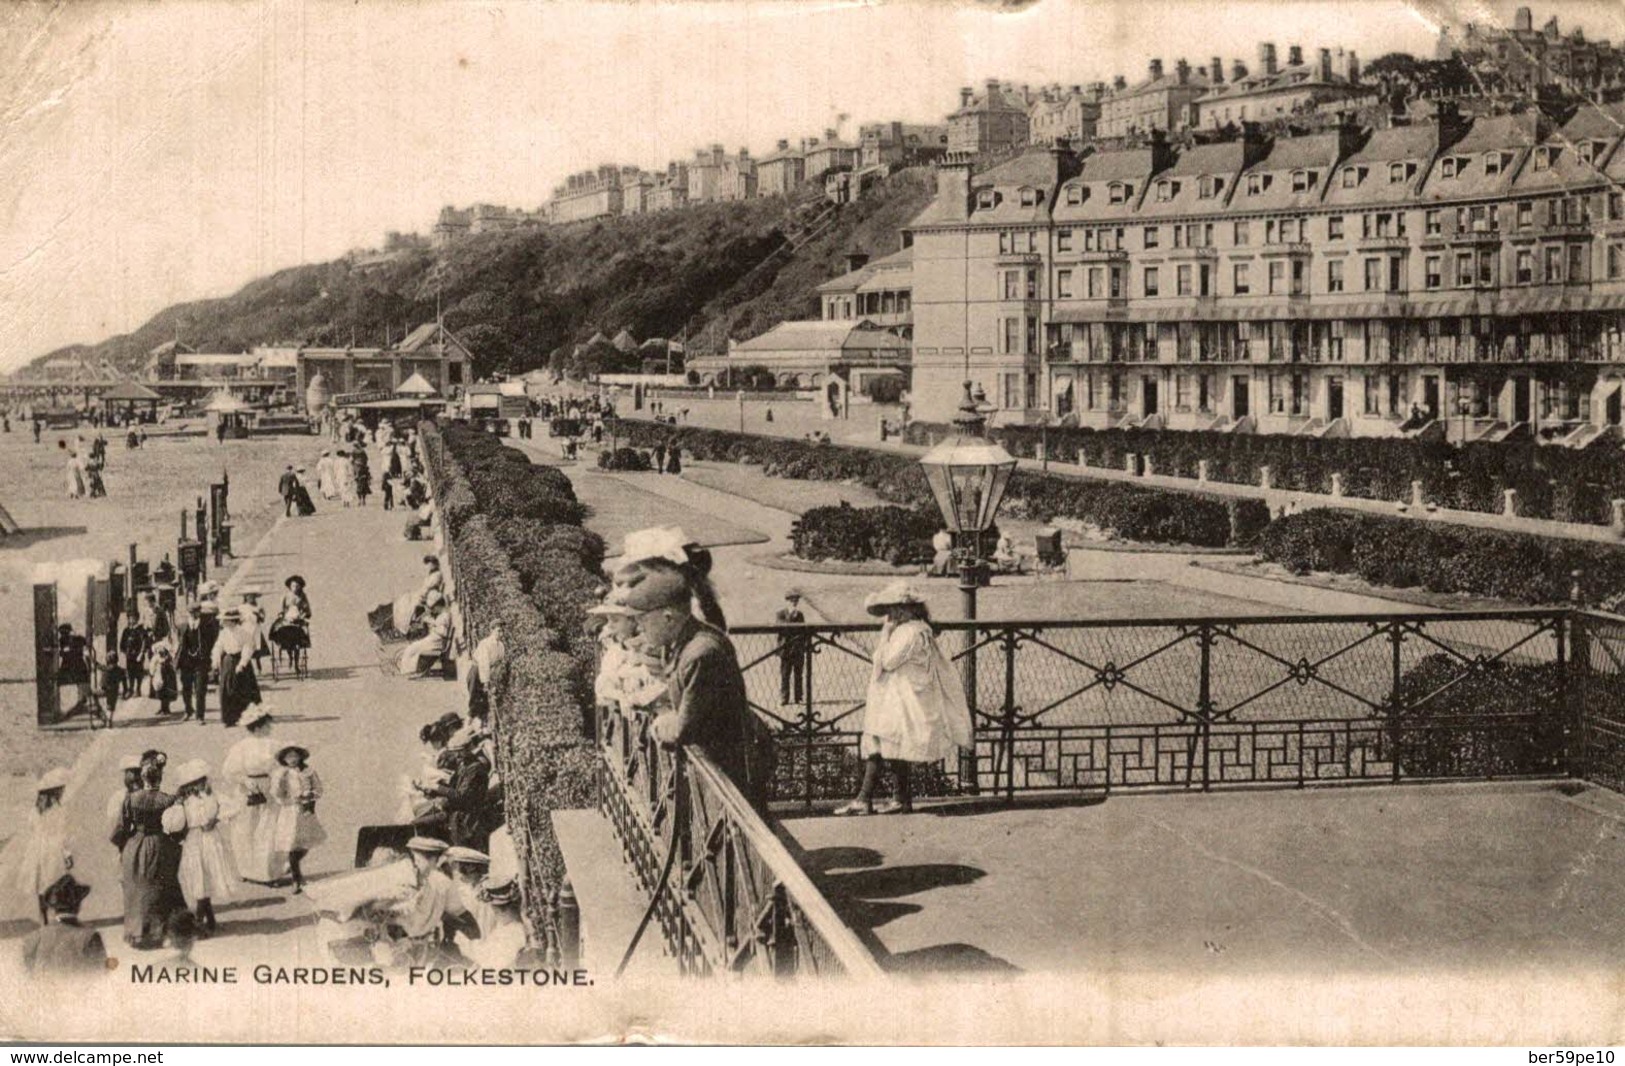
287, 485
64, 946
792, 648
194, 641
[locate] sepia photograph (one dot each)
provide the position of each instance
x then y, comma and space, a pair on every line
932, 522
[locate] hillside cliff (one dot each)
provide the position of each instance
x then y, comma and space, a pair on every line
708, 272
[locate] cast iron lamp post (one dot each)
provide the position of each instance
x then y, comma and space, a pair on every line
968, 475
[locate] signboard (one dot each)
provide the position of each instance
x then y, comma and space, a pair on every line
352, 399
190, 554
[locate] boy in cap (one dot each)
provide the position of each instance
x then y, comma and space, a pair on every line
706, 688
421, 916
112, 683
63, 946
793, 649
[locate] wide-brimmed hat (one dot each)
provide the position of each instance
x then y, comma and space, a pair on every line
189, 771
467, 855
659, 542
208, 588
500, 892
288, 581
897, 592
792, 594
52, 780
304, 752
427, 845
255, 717
66, 894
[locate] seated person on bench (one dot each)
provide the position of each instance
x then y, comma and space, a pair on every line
1005, 556
422, 654
942, 553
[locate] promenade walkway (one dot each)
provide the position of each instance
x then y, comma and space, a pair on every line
359, 721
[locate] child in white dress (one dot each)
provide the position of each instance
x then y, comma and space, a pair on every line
207, 870
295, 788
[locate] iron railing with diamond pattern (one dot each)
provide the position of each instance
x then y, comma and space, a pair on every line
1201, 703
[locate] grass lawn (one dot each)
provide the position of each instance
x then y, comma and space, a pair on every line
617, 508
147, 490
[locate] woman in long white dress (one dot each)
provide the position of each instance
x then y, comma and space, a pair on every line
915, 710
246, 777
208, 874
344, 477
327, 476
35, 858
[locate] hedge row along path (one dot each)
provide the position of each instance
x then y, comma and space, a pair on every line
359, 723
1118, 584
862, 429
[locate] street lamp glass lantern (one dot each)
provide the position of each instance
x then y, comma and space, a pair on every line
968, 473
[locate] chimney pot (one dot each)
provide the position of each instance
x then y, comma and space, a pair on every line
1294, 55
1266, 58
1183, 70
1119, 82
1155, 69
1325, 64
965, 96
1238, 70
1215, 70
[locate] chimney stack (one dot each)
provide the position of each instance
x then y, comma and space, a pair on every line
1524, 20
1354, 68
1155, 69
1119, 82
1294, 55
1215, 70
1266, 58
856, 260
1325, 64
965, 96
1238, 70
829, 136
784, 146
1183, 70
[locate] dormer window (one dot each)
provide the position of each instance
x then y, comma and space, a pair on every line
1118, 192
1074, 194
1256, 183
1209, 187
1447, 167
1165, 191
1351, 177
1495, 162
986, 198
1546, 155
1590, 151
1031, 197
1397, 172
1303, 180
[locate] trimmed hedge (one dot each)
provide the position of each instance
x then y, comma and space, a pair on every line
1133, 512
1552, 482
624, 459
523, 560
899, 535
1442, 557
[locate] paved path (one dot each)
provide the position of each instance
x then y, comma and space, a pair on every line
1395, 880
360, 724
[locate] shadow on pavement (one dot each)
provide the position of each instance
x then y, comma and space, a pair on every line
30, 537
948, 958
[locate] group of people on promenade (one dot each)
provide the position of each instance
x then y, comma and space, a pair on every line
188, 840
345, 474
668, 665
158, 656
86, 461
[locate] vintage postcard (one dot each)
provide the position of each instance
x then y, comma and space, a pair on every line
1082, 521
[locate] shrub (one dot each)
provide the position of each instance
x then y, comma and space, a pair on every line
624, 459
1503, 720
884, 389
897, 535
1443, 557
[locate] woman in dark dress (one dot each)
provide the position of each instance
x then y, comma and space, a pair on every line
151, 860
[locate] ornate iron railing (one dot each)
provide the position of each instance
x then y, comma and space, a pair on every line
1204, 703
727, 896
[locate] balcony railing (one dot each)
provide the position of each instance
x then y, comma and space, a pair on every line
1215, 703
728, 896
